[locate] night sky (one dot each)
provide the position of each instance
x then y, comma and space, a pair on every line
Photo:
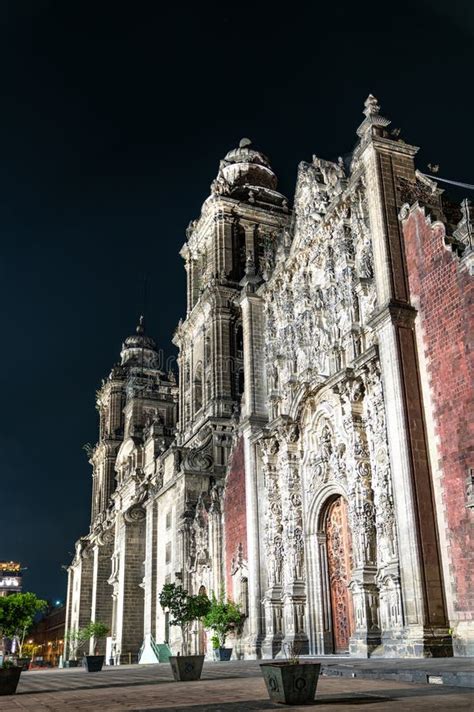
113, 118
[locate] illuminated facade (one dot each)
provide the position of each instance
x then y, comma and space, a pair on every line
10, 577
307, 461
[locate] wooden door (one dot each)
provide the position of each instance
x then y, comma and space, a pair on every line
339, 551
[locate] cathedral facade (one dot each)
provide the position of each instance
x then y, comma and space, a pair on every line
312, 458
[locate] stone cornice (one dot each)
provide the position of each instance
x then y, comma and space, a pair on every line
388, 145
399, 313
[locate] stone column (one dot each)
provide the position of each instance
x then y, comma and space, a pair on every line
84, 598
254, 360
129, 601
216, 554
388, 569
69, 597
254, 416
294, 584
386, 162
273, 542
101, 610
150, 593
366, 637
252, 491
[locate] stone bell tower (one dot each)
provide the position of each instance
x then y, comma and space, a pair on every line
137, 416
237, 228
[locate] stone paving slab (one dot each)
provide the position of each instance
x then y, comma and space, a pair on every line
455, 672
225, 687
242, 695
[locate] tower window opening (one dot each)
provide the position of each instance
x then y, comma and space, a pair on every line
198, 388
239, 252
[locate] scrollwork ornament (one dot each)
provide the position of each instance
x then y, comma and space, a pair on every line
135, 513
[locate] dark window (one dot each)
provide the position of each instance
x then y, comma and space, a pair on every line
238, 252
198, 388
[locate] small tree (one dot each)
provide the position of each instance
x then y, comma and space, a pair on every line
223, 618
184, 609
17, 614
96, 630
74, 639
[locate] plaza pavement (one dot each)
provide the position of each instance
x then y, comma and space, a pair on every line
229, 687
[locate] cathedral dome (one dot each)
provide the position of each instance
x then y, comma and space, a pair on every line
139, 345
245, 166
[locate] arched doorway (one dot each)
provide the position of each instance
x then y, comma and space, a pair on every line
339, 563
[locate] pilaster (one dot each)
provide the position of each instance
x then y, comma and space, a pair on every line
294, 574
385, 161
365, 594
252, 504
101, 609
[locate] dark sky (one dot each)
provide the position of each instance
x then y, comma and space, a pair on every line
113, 117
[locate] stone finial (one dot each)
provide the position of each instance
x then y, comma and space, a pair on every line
141, 325
371, 105
373, 118
465, 228
466, 209
245, 143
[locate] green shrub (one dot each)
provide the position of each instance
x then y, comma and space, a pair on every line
184, 609
223, 618
17, 614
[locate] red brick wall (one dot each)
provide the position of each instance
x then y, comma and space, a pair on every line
443, 292
235, 521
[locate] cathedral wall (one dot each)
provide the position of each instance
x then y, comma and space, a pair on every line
442, 290
235, 521
165, 551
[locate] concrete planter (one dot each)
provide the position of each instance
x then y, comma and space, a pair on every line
186, 667
9, 678
93, 663
225, 653
291, 684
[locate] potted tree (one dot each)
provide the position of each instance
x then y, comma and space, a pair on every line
185, 609
223, 618
72, 639
17, 613
97, 631
290, 681
215, 647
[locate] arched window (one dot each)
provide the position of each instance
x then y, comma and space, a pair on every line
198, 388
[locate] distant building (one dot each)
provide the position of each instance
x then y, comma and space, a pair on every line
314, 459
46, 638
10, 577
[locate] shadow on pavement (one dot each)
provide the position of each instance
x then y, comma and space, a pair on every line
76, 688
321, 699
251, 705
92, 685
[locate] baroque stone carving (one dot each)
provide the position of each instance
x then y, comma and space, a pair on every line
136, 513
